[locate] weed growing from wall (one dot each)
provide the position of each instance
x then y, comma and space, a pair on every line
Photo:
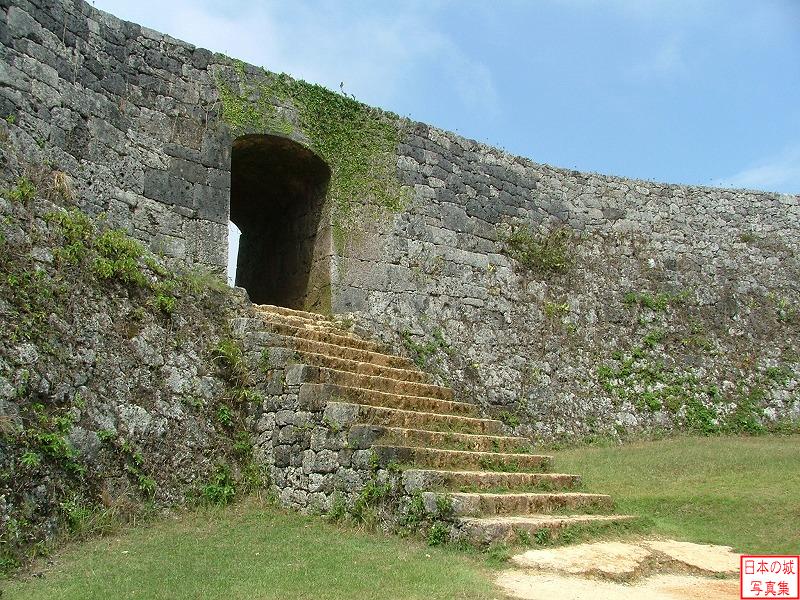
552, 252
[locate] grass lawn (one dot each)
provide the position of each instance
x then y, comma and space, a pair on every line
737, 491
258, 552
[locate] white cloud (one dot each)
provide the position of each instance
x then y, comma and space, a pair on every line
777, 173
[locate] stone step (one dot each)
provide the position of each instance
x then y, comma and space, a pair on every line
321, 326
435, 458
476, 504
365, 435
436, 480
379, 416
291, 312
335, 338
456, 413
347, 352
363, 368
484, 531
301, 373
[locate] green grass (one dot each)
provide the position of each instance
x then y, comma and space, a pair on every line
737, 491
250, 551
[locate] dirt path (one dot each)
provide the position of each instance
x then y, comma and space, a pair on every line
652, 569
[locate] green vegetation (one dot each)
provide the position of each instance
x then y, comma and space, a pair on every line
551, 252
737, 491
652, 378
556, 309
118, 257
423, 352
357, 142
252, 550
229, 357
105, 265
220, 488
509, 418
23, 191
645, 381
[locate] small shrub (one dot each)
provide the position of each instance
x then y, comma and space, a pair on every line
551, 252
147, 485
523, 536
228, 355
76, 514
200, 279
422, 352
372, 495
701, 418
438, 534
23, 191
444, 506
498, 552
415, 514
220, 489
225, 415
106, 435
509, 418
118, 257
165, 303
254, 477
779, 375
243, 444
542, 536
555, 309
748, 237
30, 459
653, 338
338, 509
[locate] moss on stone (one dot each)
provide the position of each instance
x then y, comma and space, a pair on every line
357, 142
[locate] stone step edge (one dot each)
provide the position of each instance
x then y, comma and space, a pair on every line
471, 473
479, 504
370, 392
471, 436
346, 341
307, 372
401, 413
283, 310
495, 495
396, 374
544, 459
503, 528
287, 340
308, 324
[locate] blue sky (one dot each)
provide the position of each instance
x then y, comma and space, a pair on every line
698, 91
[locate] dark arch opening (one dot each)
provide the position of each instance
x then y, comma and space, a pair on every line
278, 190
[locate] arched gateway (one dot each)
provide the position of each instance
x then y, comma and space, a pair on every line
278, 190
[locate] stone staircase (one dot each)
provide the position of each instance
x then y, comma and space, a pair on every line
496, 487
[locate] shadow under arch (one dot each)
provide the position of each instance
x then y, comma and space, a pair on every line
278, 190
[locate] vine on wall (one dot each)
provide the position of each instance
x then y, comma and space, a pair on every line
357, 141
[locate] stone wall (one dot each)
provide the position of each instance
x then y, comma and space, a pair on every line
669, 286
128, 114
